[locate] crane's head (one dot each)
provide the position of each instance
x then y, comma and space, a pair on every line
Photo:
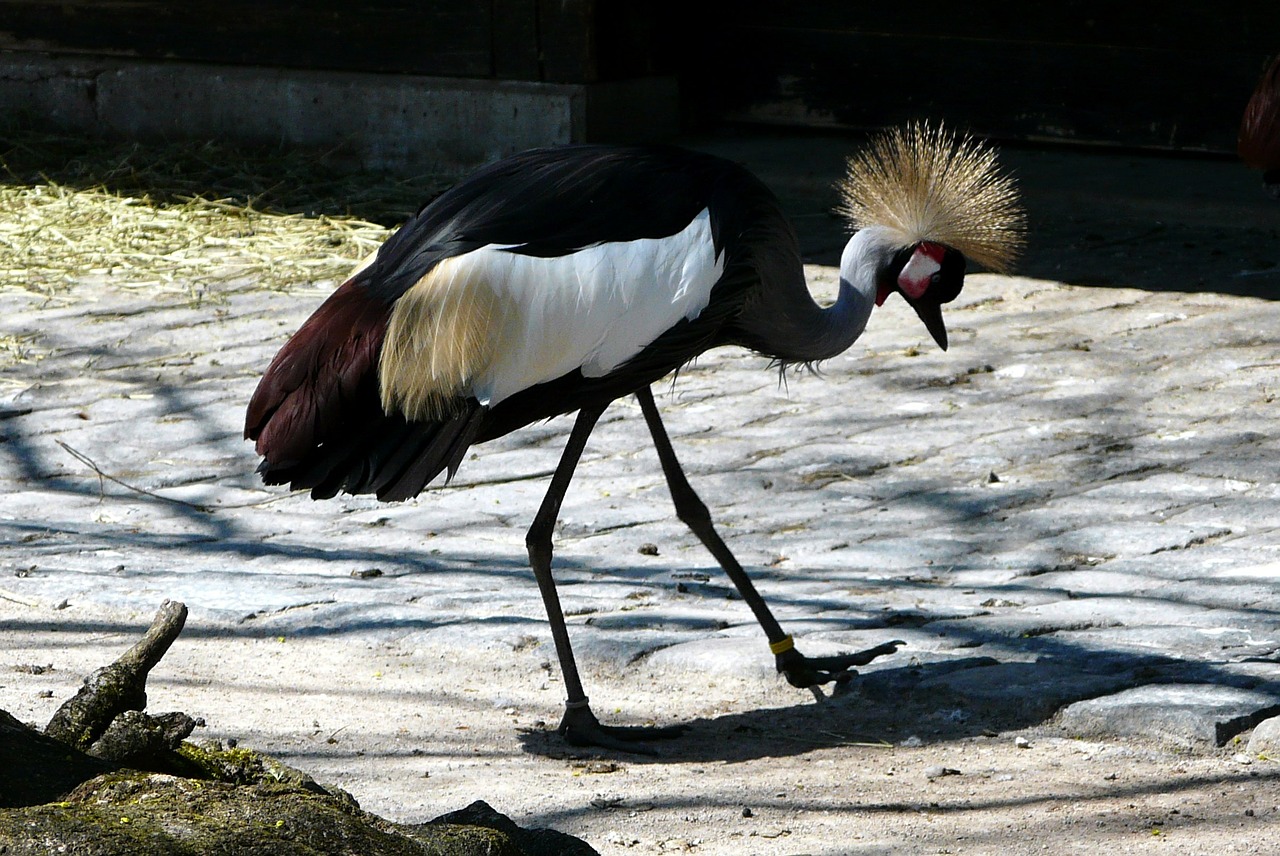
931, 202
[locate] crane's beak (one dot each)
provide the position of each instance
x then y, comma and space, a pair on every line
917, 280
930, 313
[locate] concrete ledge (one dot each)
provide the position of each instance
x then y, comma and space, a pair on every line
399, 123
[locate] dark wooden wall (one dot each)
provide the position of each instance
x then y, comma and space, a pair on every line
564, 41
1170, 75
1173, 75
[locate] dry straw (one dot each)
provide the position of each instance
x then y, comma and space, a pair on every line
189, 220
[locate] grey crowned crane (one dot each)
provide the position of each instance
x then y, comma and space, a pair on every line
1259, 140
561, 279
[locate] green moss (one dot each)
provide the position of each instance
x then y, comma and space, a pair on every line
446, 838
213, 761
142, 814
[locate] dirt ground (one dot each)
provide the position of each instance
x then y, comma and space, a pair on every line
763, 769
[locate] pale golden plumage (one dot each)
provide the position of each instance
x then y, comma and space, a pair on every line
439, 338
927, 184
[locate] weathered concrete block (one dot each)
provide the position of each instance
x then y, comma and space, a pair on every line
1265, 740
401, 123
1032, 689
1189, 714
745, 658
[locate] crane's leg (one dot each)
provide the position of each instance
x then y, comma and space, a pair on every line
800, 671
579, 725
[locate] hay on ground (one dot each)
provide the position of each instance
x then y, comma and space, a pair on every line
189, 220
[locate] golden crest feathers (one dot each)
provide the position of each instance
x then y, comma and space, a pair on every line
926, 184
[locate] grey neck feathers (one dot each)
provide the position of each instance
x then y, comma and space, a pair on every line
785, 322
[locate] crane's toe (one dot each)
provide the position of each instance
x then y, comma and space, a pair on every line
805, 672
579, 727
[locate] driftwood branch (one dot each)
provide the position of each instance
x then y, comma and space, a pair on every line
121, 686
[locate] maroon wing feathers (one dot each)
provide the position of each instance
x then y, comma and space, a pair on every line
327, 369
1259, 143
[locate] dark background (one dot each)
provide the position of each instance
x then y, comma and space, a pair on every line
1172, 76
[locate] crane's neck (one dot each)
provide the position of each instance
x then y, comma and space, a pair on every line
790, 326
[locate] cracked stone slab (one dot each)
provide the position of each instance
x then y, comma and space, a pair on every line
1190, 714
1035, 689
1128, 536
1265, 740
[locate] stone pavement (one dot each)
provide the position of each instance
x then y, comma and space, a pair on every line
1071, 513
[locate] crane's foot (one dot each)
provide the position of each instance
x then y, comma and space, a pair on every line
806, 672
579, 727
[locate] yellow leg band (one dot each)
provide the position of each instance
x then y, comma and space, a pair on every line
783, 645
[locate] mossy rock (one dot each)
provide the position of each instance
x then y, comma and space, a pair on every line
153, 814
145, 792
212, 799
237, 766
35, 768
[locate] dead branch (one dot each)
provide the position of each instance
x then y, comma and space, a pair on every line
118, 687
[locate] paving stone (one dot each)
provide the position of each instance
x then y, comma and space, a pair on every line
1177, 641
1127, 543
1066, 614
724, 656
1188, 714
1034, 690
892, 684
1086, 581
1265, 740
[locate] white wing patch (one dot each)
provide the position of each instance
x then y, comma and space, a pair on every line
539, 318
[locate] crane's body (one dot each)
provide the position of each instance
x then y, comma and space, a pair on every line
555, 282
618, 251
1259, 140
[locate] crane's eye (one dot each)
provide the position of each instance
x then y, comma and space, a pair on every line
946, 283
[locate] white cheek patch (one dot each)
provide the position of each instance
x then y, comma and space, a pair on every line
918, 272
